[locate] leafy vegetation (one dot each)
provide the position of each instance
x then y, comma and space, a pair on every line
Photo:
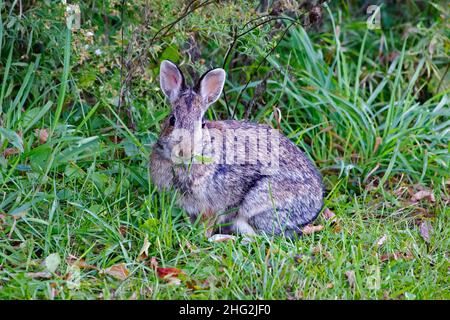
80, 109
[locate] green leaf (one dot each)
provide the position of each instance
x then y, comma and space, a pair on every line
170, 53
12, 138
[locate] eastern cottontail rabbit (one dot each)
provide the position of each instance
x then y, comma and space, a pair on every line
248, 177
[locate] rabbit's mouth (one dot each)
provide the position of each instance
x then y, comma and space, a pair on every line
159, 148
178, 155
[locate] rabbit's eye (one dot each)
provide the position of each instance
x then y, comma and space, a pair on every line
172, 120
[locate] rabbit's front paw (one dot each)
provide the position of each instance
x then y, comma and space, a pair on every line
242, 226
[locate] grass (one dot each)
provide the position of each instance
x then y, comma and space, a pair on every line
375, 121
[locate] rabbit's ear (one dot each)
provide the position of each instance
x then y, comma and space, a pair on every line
210, 85
171, 79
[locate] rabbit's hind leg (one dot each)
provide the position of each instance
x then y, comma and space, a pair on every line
274, 222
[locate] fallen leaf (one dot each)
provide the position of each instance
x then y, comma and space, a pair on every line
173, 281
328, 214
309, 229
422, 194
42, 135
221, 238
143, 253
330, 285
170, 275
351, 278
382, 240
197, 285
52, 262
400, 191
39, 275
192, 284
317, 249
337, 228
425, 230
165, 273
123, 230
277, 115
10, 151
80, 263
118, 271
396, 256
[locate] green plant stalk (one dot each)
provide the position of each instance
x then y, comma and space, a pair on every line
5, 75
65, 75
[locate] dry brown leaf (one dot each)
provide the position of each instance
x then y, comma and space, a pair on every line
143, 253
221, 238
171, 275
123, 230
277, 115
328, 214
337, 228
396, 256
80, 263
309, 229
400, 191
10, 151
425, 230
192, 284
422, 194
317, 249
42, 135
198, 285
382, 240
118, 271
168, 272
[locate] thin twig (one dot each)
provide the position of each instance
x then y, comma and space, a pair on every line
259, 65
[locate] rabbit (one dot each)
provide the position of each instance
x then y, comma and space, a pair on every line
276, 192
